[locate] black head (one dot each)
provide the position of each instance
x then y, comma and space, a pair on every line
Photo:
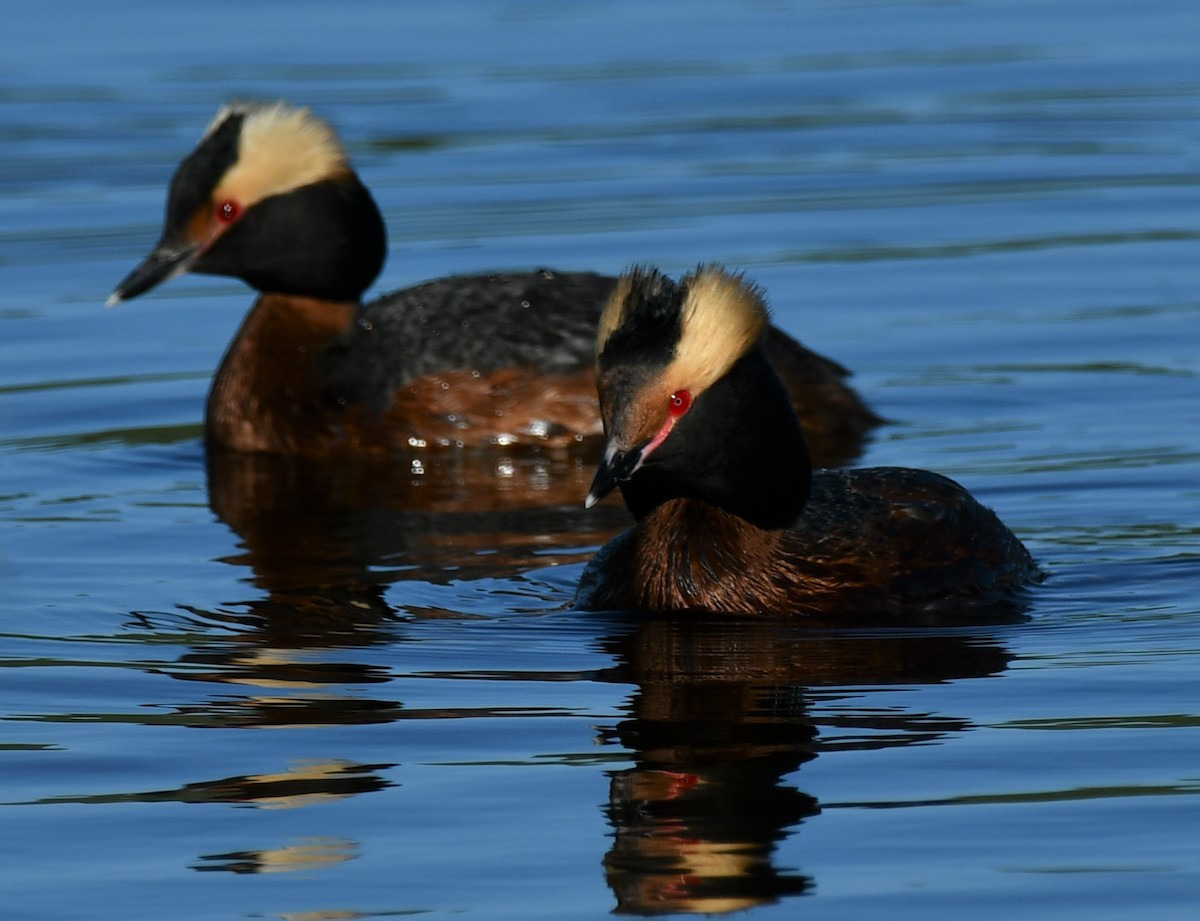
268, 196
691, 406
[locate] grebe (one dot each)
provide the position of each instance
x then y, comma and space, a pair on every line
731, 518
269, 196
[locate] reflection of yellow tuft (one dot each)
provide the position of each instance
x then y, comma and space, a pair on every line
280, 148
310, 854
690, 875
311, 772
723, 318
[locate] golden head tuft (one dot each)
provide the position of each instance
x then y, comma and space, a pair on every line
723, 317
280, 148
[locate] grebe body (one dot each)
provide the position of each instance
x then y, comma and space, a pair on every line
269, 196
711, 460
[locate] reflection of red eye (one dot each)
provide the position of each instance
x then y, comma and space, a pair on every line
681, 402
227, 211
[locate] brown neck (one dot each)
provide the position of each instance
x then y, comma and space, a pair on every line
689, 554
266, 396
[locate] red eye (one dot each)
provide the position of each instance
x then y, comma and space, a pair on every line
681, 402
227, 211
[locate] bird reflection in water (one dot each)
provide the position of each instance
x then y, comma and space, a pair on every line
722, 716
303, 783
305, 855
724, 712
324, 541
311, 527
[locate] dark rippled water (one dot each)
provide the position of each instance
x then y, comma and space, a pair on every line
261, 690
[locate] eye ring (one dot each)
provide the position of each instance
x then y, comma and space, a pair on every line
227, 212
681, 402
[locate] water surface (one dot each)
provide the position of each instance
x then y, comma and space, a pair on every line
248, 688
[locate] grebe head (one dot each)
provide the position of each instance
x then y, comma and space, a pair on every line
267, 196
690, 405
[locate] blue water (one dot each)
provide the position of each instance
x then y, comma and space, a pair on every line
258, 690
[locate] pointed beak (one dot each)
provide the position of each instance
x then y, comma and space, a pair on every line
615, 468
163, 264
619, 465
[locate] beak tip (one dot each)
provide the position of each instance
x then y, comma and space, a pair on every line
164, 263
615, 469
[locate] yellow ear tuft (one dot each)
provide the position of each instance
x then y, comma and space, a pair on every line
723, 317
280, 148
